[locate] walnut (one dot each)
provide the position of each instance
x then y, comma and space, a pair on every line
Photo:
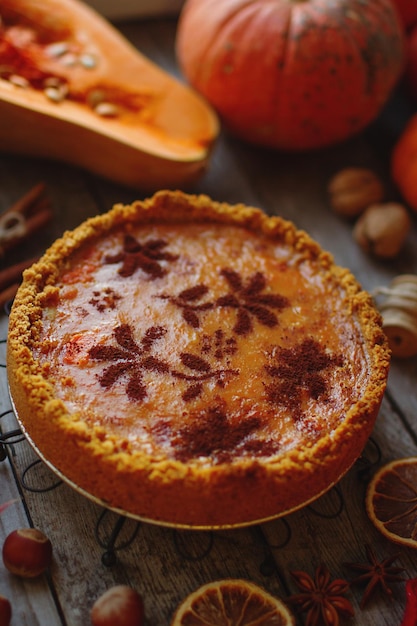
382, 229
352, 190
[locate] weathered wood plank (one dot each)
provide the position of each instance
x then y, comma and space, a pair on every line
31, 600
335, 529
164, 564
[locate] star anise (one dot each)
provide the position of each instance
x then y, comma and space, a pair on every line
376, 574
321, 597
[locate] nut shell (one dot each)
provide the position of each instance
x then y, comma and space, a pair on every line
119, 605
27, 552
382, 229
5, 611
352, 190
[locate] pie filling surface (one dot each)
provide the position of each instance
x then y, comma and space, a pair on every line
202, 343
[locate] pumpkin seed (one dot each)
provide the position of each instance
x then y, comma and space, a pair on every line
88, 61
57, 49
19, 81
68, 60
106, 109
54, 94
54, 89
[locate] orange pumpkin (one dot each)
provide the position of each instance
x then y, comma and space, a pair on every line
408, 11
404, 163
292, 74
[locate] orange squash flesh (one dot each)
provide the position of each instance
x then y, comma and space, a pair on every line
162, 132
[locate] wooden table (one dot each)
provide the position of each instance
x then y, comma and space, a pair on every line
95, 549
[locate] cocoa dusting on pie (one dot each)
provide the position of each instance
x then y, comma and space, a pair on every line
249, 301
212, 434
145, 256
105, 299
294, 372
201, 371
73, 349
244, 296
129, 358
187, 300
133, 359
297, 371
194, 362
219, 344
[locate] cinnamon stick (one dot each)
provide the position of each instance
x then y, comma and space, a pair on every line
12, 275
32, 224
27, 215
31, 212
38, 220
29, 201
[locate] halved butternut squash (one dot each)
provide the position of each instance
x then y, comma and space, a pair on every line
73, 88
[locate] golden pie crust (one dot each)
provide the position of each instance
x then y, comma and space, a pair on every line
194, 363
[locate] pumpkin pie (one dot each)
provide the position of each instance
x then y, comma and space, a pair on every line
195, 364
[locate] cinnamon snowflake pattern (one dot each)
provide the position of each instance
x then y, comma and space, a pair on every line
219, 344
189, 301
196, 371
145, 256
246, 297
250, 302
129, 358
213, 434
105, 299
298, 371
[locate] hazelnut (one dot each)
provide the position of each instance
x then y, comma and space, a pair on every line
382, 229
119, 605
27, 552
5, 611
352, 190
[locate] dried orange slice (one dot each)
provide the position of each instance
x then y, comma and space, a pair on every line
232, 602
391, 501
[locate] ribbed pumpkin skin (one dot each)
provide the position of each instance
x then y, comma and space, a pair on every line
292, 74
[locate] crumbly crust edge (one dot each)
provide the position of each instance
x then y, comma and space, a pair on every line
34, 398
